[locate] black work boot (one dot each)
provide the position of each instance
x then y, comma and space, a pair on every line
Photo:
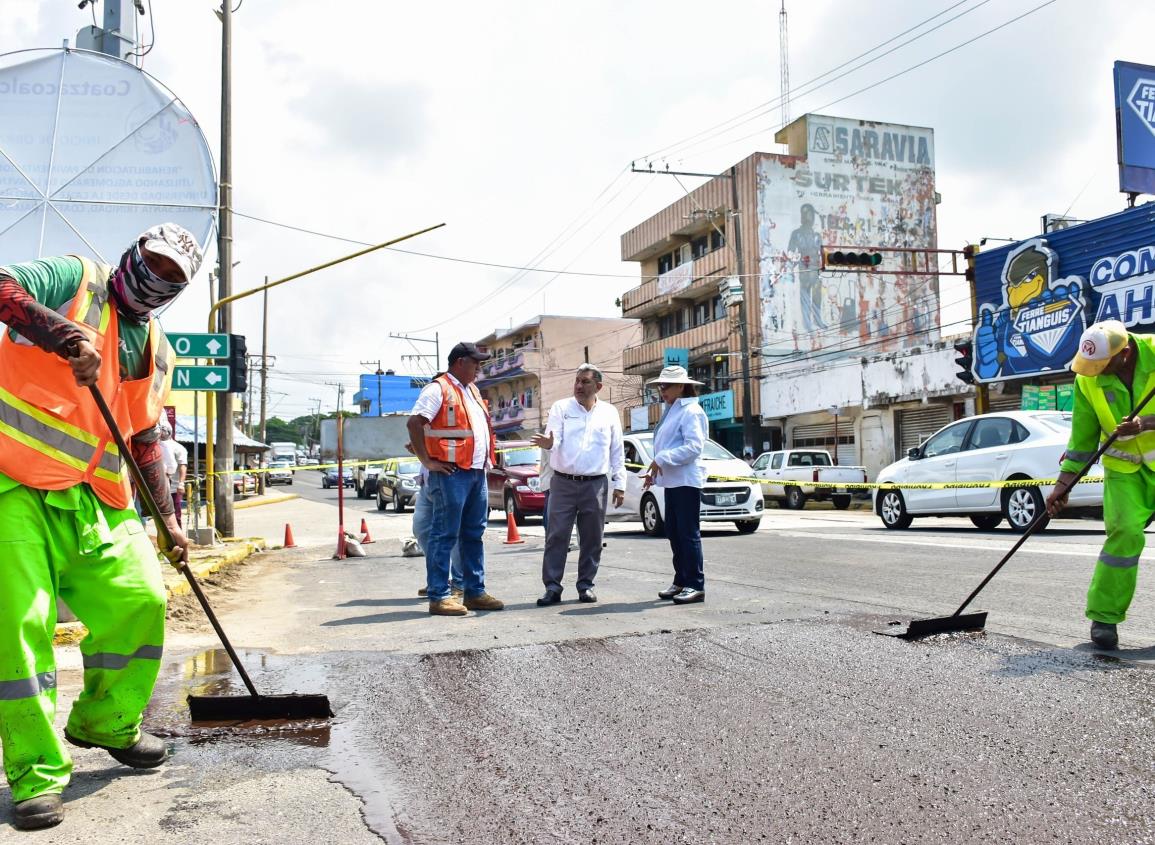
147, 753
37, 813
1104, 635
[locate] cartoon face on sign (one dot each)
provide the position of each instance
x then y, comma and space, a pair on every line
1037, 327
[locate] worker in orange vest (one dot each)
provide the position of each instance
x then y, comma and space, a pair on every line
67, 522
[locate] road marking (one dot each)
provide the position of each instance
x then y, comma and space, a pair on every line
937, 544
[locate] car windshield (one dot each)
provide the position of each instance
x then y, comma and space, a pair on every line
523, 457
280, 464
409, 466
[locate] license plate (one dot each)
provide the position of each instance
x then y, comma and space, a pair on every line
726, 499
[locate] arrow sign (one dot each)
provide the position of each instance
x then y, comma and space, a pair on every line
200, 378
200, 345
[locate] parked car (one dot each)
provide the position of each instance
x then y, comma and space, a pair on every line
1005, 446
244, 483
814, 465
513, 482
280, 472
396, 484
329, 477
723, 500
365, 479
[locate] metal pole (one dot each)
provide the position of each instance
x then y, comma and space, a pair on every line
196, 496
340, 476
748, 434
264, 376
224, 413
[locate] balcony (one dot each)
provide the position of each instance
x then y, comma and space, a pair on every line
523, 362
653, 414
508, 419
650, 355
657, 295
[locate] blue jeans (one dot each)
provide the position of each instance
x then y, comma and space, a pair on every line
422, 522
683, 518
460, 513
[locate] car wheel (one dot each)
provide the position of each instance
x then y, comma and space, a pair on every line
652, 522
892, 510
512, 508
986, 521
380, 500
398, 503
748, 526
324, 484
795, 498
1021, 506
841, 502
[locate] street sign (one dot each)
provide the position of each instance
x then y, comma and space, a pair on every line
200, 345
200, 378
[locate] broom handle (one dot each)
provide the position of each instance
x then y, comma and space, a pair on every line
164, 535
1069, 487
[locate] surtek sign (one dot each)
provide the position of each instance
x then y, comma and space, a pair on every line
1135, 110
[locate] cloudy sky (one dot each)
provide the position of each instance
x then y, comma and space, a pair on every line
515, 124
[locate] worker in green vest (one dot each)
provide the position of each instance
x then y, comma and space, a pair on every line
1114, 369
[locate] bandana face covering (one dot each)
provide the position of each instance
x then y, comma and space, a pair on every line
138, 290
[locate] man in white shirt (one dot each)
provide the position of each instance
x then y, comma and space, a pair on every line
451, 435
175, 466
584, 439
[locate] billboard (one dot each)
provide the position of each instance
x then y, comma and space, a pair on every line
861, 184
1135, 126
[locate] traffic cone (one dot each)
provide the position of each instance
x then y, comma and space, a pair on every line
365, 538
512, 538
340, 553
289, 543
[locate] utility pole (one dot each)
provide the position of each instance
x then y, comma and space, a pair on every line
748, 434
120, 34
784, 65
264, 374
223, 463
379, 372
436, 341
316, 422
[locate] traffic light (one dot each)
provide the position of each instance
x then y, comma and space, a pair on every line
846, 258
966, 358
238, 366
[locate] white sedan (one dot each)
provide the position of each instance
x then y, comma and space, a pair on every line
723, 500
1006, 446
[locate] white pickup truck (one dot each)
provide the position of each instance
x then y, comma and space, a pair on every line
813, 465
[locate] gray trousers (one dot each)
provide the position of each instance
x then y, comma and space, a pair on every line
569, 501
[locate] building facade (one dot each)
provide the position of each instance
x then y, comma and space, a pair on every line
533, 366
388, 393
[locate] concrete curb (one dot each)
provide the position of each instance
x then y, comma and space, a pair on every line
264, 500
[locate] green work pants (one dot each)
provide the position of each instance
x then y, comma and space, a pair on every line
1128, 503
99, 560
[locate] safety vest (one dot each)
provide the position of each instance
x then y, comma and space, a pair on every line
1126, 454
449, 437
52, 436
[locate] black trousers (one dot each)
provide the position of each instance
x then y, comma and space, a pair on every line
683, 520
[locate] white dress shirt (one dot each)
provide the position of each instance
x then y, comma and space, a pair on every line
587, 442
429, 403
678, 443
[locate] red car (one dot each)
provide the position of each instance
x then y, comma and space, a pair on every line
513, 483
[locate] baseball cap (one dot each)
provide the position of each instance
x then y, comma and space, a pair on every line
1099, 344
468, 350
176, 242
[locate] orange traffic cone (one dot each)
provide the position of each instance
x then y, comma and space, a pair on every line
340, 553
512, 538
289, 544
365, 532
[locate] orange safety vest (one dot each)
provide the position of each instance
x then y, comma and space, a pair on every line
52, 436
449, 437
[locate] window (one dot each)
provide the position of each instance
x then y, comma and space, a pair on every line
946, 442
672, 323
631, 455
700, 246
717, 239
993, 432
665, 263
761, 462
776, 463
719, 307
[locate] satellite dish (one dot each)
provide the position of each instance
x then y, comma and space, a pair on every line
93, 152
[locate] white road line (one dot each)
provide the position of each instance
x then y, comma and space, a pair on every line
938, 544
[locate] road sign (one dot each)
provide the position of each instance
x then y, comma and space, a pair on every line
200, 378
200, 345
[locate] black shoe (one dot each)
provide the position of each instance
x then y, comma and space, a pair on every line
587, 596
669, 592
40, 812
550, 597
147, 753
690, 596
1104, 635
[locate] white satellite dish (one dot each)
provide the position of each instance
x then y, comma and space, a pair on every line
93, 151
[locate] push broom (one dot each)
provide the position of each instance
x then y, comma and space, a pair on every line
959, 621
214, 708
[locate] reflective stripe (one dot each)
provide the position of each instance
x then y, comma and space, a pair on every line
97, 297
451, 433
160, 362
451, 452
1118, 561
110, 660
29, 425
1079, 456
1123, 456
27, 687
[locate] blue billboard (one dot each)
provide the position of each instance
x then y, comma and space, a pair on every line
1135, 124
1036, 296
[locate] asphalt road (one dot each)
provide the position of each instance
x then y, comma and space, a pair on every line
768, 713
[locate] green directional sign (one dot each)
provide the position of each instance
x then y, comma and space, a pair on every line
200, 345
200, 378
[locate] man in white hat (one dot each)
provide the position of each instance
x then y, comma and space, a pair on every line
67, 524
1114, 370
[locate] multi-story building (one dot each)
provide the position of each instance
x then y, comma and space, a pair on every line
533, 366
388, 393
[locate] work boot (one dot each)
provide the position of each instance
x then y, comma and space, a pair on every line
484, 602
457, 593
447, 607
423, 591
148, 752
1104, 635
37, 813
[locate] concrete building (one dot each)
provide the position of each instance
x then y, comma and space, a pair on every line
388, 393
827, 338
534, 363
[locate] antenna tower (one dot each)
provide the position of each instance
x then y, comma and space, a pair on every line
784, 65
